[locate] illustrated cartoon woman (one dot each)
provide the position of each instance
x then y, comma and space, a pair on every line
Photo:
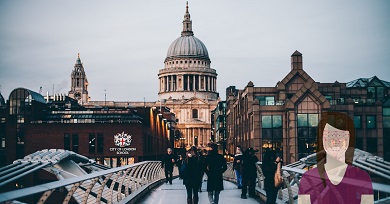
335, 180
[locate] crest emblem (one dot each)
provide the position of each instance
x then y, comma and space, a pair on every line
122, 139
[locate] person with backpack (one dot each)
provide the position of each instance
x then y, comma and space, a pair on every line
269, 167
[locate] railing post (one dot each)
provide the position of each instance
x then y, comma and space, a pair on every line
71, 192
45, 196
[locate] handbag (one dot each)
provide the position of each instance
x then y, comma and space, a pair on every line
184, 171
278, 179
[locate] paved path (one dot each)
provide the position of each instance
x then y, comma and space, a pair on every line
176, 194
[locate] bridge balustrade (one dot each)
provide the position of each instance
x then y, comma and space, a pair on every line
117, 185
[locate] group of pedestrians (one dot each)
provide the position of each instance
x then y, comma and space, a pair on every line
213, 164
244, 165
193, 166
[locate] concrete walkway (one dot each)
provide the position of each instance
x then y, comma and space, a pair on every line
176, 194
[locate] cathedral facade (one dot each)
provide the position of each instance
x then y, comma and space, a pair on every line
188, 87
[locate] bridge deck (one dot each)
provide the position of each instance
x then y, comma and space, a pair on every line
176, 194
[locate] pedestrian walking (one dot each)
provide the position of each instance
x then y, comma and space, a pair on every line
237, 165
269, 167
167, 163
179, 163
214, 167
192, 172
202, 158
249, 172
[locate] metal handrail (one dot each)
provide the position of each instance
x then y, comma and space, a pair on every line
106, 185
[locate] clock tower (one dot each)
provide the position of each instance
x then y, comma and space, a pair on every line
79, 84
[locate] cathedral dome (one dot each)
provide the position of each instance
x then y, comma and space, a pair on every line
187, 46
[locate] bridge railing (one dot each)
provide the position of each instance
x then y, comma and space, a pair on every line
289, 191
108, 186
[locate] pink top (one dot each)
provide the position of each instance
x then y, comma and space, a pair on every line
355, 183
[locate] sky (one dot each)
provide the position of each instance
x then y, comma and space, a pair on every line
123, 44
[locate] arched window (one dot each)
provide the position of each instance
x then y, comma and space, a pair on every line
194, 113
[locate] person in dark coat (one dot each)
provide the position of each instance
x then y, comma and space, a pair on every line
179, 163
167, 164
215, 165
202, 157
194, 175
249, 172
269, 168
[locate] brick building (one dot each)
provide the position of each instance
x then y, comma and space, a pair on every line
112, 136
285, 117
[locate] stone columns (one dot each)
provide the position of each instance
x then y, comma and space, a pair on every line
204, 83
215, 84
172, 88
188, 82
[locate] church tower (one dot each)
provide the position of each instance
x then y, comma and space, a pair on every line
79, 84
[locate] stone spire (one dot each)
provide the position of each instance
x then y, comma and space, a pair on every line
79, 82
187, 24
78, 61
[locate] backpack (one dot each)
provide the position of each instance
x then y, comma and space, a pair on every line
184, 171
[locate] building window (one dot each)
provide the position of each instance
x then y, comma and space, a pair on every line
357, 121
100, 143
272, 133
75, 143
194, 113
307, 134
376, 93
372, 145
386, 117
92, 141
266, 100
66, 142
329, 98
3, 142
371, 122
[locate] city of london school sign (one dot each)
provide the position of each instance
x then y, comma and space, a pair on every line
122, 141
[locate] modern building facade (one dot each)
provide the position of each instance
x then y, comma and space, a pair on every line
188, 86
285, 117
113, 136
218, 125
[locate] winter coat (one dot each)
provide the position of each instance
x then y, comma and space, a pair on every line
194, 165
167, 163
269, 170
215, 165
249, 169
237, 162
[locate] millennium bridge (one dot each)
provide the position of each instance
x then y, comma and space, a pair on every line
82, 180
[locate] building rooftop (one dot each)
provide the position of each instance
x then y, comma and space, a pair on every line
364, 82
